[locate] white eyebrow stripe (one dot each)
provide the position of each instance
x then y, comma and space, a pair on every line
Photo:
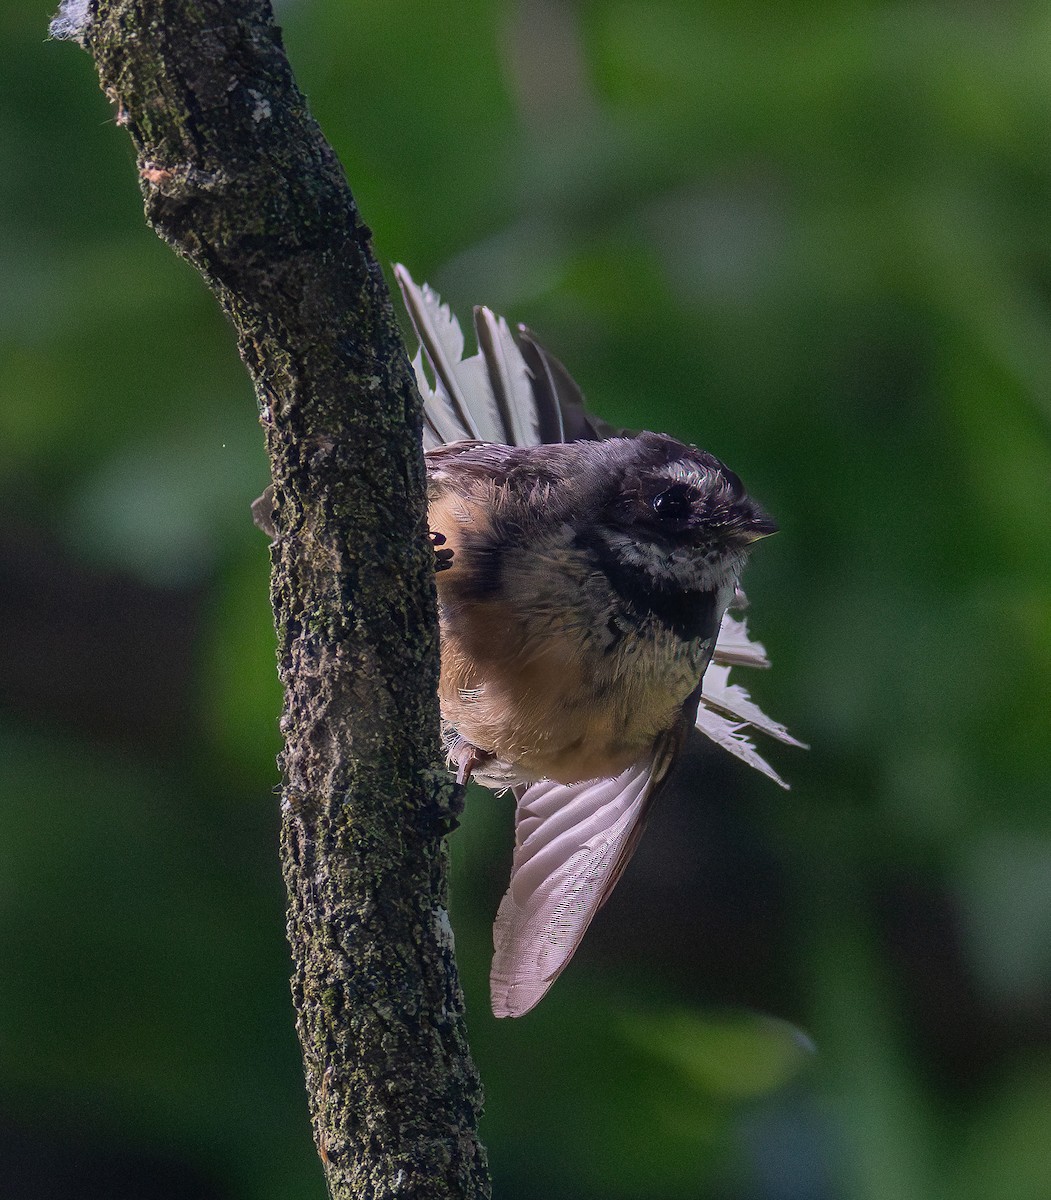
680, 472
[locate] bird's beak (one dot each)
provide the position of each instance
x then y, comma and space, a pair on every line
758, 527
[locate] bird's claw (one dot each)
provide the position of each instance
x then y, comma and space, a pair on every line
467, 759
443, 559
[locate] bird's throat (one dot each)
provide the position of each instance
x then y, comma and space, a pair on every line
648, 594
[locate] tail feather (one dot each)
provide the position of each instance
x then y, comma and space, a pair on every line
562, 415
460, 406
512, 391
440, 424
509, 379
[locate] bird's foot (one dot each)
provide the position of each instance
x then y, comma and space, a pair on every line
467, 759
443, 559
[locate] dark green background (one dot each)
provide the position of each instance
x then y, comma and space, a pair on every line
812, 237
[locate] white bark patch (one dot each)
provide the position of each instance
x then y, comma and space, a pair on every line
261, 111
443, 929
70, 23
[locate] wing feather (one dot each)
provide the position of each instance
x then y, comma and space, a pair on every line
559, 878
572, 843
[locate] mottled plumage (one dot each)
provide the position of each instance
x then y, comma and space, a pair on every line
575, 620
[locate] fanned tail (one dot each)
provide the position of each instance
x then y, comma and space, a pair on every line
512, 391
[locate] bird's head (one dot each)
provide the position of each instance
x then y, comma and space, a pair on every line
678, 514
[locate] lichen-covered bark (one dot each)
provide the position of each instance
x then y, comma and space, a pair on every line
238, 178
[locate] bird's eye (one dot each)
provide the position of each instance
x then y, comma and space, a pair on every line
674, 503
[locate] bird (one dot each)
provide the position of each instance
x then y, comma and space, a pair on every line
586, 579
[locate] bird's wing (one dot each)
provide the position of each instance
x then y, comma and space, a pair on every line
572, 843
512, 391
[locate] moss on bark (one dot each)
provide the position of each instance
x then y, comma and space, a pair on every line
238, 179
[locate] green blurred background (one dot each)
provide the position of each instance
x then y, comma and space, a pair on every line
812, 237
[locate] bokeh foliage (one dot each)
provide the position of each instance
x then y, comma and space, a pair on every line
814, 238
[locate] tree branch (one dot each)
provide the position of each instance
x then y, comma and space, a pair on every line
238, 179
